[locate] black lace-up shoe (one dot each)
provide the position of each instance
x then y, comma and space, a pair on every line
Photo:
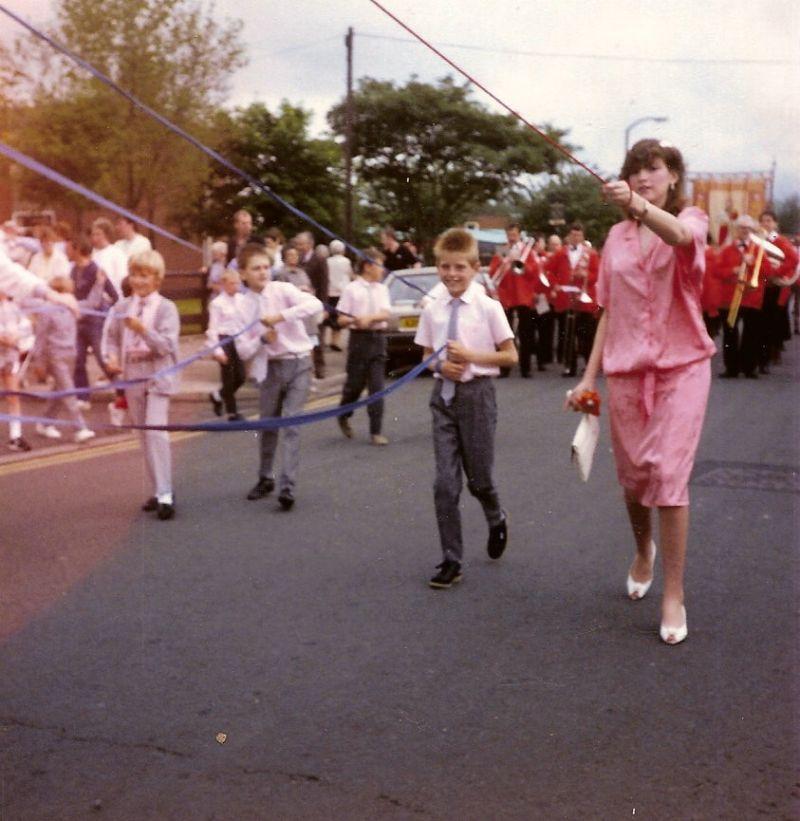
263, 487
448, 575
150, 505
165, 511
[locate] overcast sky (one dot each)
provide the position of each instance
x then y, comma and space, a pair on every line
738, 114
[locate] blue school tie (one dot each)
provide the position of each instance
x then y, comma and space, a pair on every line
448, 386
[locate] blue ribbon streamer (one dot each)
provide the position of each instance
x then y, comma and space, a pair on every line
52, 174
176, 129
128, 383
270, 423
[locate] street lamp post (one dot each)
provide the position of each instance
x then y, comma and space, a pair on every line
639, 122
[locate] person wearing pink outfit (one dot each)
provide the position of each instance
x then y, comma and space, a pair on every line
654, 350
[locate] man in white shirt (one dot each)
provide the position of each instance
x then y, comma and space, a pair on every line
108, 258
130, 241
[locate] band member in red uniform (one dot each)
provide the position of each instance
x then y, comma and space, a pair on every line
575, 266
776, 297
516, 277
542, 309
742, 356
556, 320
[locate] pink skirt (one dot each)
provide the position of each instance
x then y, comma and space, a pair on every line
656, 420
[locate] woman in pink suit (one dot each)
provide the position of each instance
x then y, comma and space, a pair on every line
654, 350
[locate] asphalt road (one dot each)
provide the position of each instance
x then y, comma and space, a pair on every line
243, 663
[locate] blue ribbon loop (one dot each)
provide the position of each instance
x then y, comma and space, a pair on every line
271, 423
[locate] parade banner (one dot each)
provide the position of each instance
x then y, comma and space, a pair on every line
726, 196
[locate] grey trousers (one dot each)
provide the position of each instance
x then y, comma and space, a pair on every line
152, 409
463, 441
61, 369
283, 393
366, 367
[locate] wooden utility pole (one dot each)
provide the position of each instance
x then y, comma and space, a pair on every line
348, 142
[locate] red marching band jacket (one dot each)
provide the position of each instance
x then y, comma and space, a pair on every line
786, 269
727, 271
517, 288
561, 273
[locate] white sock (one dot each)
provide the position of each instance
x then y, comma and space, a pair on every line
164, 498
15, 429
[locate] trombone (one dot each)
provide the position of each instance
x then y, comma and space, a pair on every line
761, 246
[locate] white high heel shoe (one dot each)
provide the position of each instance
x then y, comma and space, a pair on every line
638, 590
675, 635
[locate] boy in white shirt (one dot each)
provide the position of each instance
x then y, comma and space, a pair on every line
285, 360
479, 342
16, 336
140, 340
365, 306
228, 315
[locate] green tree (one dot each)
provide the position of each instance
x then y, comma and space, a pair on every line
426, 155
277, 150
576, 194
168, 53
788, 212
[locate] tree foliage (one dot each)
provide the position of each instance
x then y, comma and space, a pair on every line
788, 212
170, 54
277, 150
426, 155
579, 195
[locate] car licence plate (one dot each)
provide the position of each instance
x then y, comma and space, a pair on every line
408, 322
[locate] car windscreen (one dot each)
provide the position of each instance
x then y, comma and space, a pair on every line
412, 287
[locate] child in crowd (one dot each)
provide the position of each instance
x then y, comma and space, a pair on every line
93, 290
292, 272
282, 366
479, 342
54, 353
140, 339
365, 307
15, 337
219, 251
228, 315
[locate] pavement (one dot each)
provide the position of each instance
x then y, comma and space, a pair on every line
197, 381
239, 662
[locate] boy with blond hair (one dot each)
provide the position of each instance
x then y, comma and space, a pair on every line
228, 315
140, 339
479, 341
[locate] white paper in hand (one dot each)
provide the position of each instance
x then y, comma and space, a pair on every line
584, 444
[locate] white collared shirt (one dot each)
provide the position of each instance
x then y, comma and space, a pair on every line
482, 326
113, 262
144, 309
361, 298
227, 315
574, 255
138, 244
